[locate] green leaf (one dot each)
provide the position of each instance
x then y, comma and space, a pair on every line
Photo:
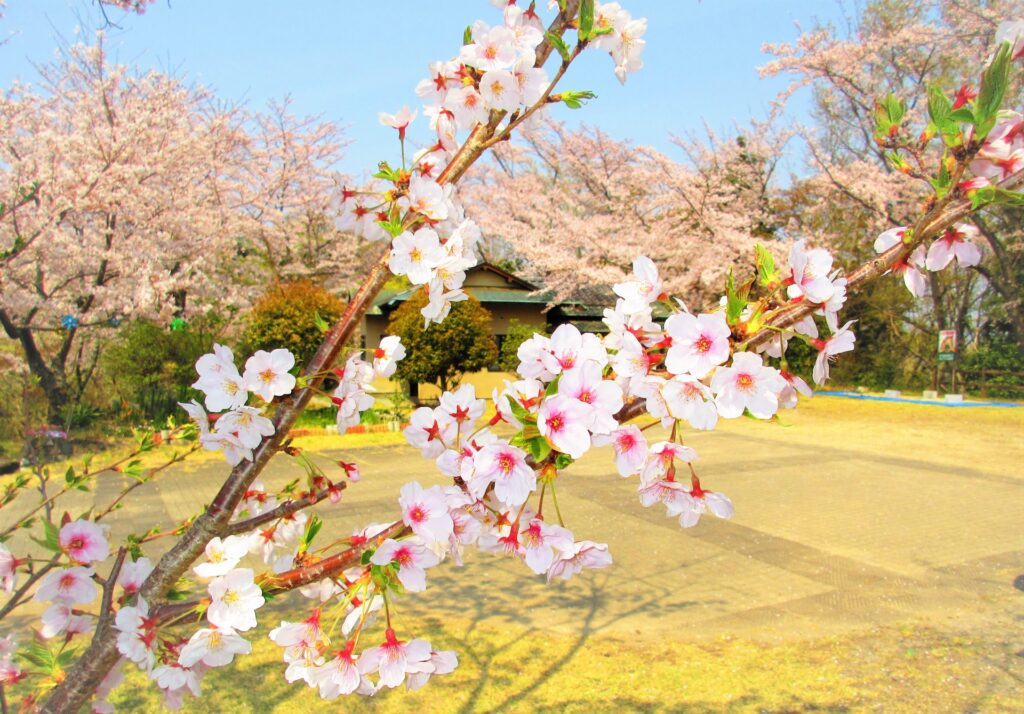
467, 35
364, 559
767, 272
563, 461
559, 44
321, 323
539, 448
939, 106
51, 536
134, 470
144, 439
69, 476
575, 100
519, 411
312, 528
586, 19
982, 196
552, 388
735, 304
993, 87
963, 114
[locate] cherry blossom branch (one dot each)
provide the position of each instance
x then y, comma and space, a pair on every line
930, 225
19, 594
106, 612
332, 565
285, 509
329, 567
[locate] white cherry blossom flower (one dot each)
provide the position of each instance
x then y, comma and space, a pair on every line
247, 424
213, 647
222, 555
266, 373
236, 597
841, 341
584, 554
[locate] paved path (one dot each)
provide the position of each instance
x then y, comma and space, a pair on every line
849, 527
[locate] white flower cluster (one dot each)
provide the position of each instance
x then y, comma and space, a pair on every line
239, 430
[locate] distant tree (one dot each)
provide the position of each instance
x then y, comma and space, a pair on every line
286, 316
441, 354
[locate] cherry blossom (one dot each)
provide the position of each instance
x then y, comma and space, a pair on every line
690, 510
809, 273
8, 569
235, 600
222, 556
247, 424
841, 341
69, 585
399, 120
411, 556
505, 466
699, 343
137, 634
395, 658
646, 288
266, 373
955, 242
338, 675
747, 384
563, 421
630, 448
213, 647
426, 512
387, 356
584, 554
84, 542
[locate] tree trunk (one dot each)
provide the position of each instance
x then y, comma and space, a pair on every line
51, 377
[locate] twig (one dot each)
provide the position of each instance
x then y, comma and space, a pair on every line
106, 613
285, 509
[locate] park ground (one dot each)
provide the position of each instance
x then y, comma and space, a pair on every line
875, 563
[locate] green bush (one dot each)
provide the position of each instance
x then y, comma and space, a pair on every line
440, 354
286, 317
518, 333
151, 366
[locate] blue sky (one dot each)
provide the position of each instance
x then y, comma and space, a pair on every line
348, 60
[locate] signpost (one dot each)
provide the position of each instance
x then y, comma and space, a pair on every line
947, 345
947, 353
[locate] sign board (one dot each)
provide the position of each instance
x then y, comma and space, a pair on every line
947, 345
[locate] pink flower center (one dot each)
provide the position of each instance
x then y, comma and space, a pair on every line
745, 381
417, 514
403, 556
506, 462
703, 344
555, 422
76, 543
